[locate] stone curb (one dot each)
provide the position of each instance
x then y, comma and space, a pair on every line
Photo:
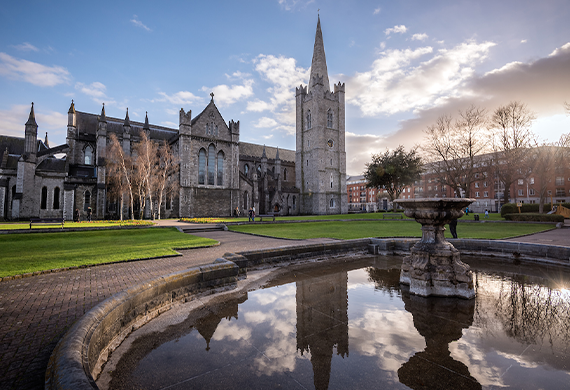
541, 253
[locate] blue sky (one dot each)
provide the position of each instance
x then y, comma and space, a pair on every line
404, 63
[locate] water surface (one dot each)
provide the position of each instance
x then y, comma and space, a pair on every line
352, 326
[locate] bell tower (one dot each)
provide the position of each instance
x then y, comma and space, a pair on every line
320, 158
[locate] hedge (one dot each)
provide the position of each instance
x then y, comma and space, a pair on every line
511, 208
534, 217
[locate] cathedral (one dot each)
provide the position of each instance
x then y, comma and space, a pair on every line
217, 174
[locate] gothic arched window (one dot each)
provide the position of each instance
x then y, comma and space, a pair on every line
285, 174
44, 198
220, 180
331, 203
259, 171
309, 124
329, 118
88, 155
246, 170
211, 164
56, 198
202, 167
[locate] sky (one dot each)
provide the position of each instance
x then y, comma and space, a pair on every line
404, 63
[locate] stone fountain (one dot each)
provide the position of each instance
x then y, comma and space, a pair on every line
434, 267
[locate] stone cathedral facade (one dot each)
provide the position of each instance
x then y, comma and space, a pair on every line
218, 173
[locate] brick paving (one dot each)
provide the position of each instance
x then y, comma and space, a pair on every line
35, 312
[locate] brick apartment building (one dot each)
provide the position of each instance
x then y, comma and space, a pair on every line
486, 188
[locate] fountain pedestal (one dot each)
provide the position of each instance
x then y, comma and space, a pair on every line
434, 267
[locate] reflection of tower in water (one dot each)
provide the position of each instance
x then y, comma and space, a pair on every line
207, 325
322, 322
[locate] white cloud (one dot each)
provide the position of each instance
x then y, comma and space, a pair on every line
396, 29
377, 11
382, 45
32, 72
226, 95
419, 37
25, 47
95, 90
283, 75
523, 40
396, 84
265, 122
135, 20
169, 124
12, 121
258, 106
294, 4
181, 98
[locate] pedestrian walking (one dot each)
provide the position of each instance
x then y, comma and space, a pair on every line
486, 213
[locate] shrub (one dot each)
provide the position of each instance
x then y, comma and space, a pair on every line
534, 217
511, 208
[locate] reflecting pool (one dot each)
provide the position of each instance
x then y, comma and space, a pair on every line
353, 326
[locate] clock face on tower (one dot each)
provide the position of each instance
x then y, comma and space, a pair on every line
330, 143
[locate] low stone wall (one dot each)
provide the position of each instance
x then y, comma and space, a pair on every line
79, 355
492, 248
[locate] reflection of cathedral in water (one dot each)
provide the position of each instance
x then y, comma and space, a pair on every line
322, 322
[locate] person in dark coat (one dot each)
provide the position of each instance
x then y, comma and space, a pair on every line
89, 214
453, 228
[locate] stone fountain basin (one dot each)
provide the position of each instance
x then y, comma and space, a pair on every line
434, 211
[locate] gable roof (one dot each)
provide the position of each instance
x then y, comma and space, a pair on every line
254, 150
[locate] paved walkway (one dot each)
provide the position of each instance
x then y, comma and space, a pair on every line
35, 312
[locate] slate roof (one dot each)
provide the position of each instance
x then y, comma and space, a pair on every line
15, 147
254, 150
87, 123
52, 164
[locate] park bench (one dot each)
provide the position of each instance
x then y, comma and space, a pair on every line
47, 221
392, 215
261, 216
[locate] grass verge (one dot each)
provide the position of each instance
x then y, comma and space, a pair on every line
23, 253
362, 229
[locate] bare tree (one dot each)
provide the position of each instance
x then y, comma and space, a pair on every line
166, 170
120, 172
512, 140
146, 162
546, 158
454, 147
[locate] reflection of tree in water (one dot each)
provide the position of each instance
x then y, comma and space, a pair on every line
528, 310
387, 280
440, 321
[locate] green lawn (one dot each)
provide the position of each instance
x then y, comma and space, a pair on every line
374, 216
23, 253
74, 225
385, 228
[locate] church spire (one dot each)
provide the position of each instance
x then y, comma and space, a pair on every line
319, 64
127, 122
32, 118
102, 117
146, 125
